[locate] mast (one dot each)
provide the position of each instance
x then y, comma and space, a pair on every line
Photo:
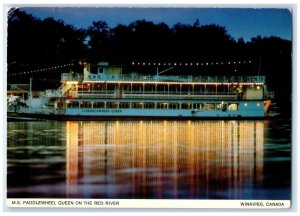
30, 93
258, 73
158, 73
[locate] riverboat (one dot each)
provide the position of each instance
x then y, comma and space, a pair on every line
107, 93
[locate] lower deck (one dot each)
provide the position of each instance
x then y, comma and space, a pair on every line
164, 108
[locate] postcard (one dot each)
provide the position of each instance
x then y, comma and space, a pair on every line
149, 107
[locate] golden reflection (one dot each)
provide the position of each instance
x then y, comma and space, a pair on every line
72, 157
165, 157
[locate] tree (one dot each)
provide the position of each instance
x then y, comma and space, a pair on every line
37, 44
99, 35
197, 24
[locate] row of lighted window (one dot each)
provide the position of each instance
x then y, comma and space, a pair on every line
155, 87
152, 105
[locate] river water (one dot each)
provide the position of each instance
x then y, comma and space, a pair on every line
149, 159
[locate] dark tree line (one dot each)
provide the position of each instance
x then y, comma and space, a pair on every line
34, 43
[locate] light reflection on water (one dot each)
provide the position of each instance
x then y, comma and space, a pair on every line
147, 159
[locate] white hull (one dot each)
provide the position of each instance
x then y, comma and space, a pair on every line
163, 113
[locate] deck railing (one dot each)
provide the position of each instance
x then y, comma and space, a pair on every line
170, 96
171, 78
190, 78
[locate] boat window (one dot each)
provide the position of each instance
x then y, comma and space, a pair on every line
85, 104
111, 86
233, 106
199, 89
124, 105
100, 70
149, 105
210, 89
174, 88
219, 106
98, 105
209, 106
198, 106
137, 105
186, 89
161, 105
162, 88
99, 87
186, 106
83, 87
73, 104
137, 88
111, 105
174, 106
223, 89
149, 87
125, 88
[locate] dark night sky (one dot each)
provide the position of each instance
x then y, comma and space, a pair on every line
239, 22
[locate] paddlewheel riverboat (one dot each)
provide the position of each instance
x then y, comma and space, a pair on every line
108, 93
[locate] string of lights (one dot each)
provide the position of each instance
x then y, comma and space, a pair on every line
143, 64
138, 63
47, 80
40, 70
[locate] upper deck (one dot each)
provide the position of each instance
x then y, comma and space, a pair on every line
110, 82
106, 73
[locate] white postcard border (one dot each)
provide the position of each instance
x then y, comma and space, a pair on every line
148, 203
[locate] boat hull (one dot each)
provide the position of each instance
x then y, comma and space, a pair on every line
63, 117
